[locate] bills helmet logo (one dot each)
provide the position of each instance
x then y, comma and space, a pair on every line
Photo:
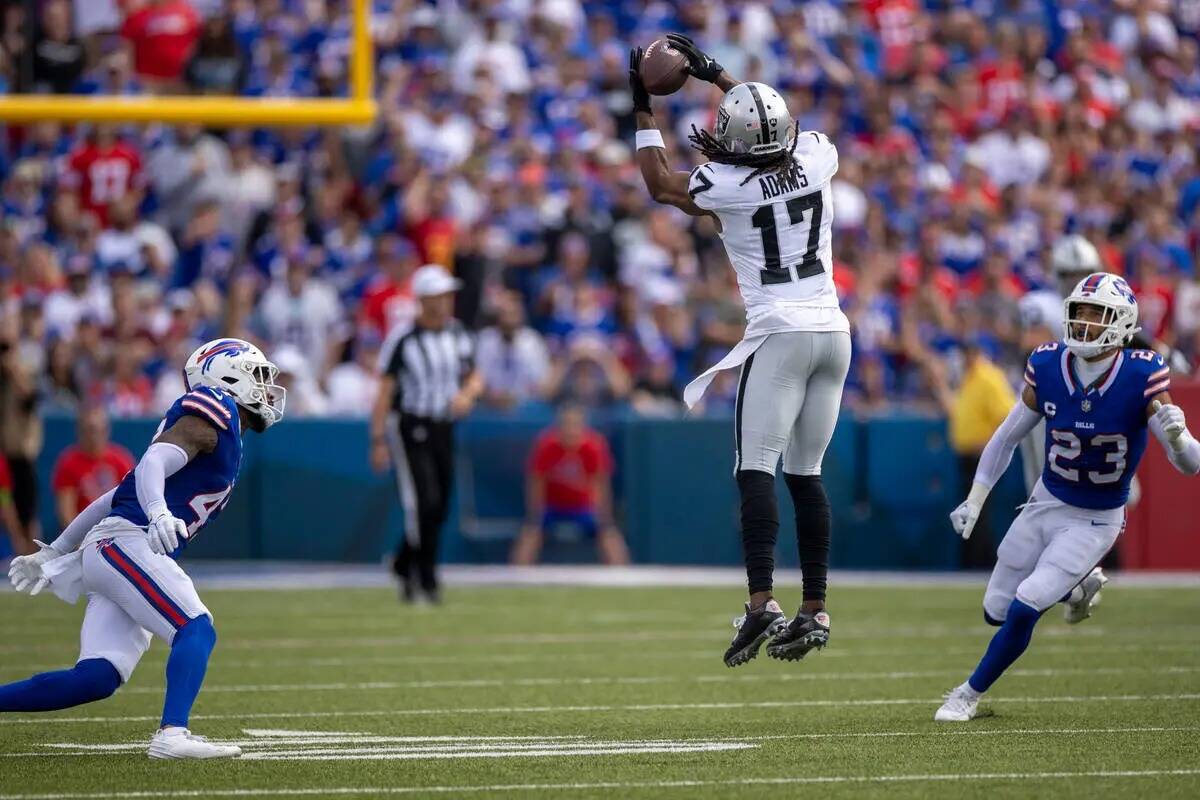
1123, 289
227, 347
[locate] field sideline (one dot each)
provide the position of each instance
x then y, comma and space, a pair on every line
514, 691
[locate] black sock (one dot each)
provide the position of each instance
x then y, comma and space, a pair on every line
813, 520
760, 527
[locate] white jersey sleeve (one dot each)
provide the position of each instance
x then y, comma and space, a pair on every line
777, 229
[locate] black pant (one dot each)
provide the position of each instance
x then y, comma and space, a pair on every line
24, 491
424, 460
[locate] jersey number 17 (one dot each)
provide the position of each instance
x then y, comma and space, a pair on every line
773, 271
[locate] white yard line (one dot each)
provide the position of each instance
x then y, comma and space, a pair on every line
379, 791
491, 683
313, 739
589, 709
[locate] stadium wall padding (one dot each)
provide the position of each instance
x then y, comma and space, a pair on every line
306, 492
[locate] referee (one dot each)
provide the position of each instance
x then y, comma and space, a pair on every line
429, 380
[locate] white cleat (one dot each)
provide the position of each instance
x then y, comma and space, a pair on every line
1081, 609
960, 706
182, 743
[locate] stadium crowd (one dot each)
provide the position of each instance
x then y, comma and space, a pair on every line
972, 135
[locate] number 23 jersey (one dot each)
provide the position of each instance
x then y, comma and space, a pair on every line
1096, 435
197, 493
777, 229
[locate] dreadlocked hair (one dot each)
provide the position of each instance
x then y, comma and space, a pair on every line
763, 163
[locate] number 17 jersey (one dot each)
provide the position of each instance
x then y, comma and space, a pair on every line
777, 229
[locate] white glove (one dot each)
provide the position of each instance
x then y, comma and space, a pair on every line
165, 532
1173, 423
966, 515
26, 571
964, 518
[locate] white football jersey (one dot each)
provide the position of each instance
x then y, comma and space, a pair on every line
777, 230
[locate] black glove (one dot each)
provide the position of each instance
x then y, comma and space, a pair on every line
641, 98
700, 65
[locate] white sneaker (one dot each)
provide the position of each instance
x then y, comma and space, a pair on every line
961, 706
182, 743
1081, 609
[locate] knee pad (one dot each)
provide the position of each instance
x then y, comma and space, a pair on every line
995, 608
100, 676
1045, 587
198, 632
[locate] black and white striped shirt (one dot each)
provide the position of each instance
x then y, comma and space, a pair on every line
429, 367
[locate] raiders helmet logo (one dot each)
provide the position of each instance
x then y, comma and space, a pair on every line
722, 125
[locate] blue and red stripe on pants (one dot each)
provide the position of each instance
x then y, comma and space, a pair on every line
155, 596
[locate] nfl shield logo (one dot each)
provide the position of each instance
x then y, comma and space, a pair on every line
1086, 405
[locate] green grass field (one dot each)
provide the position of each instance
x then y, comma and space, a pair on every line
573, 693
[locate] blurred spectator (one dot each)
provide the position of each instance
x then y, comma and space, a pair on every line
218, 65
163, 35
982, 402
89, 468
187, 168
21, 543
590, 375
124, 390
84, 294
512, 357
303, 311
304, 396
58, 57
353, 385
101, 170
21, 361
388, 302
655, 394
568, 483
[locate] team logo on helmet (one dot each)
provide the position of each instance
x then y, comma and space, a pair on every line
226, 347
1123, 288
722, 126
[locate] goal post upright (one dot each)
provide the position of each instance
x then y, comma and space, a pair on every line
359, 109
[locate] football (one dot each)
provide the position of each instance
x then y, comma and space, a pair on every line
664, 69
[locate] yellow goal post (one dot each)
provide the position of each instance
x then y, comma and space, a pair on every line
218, 112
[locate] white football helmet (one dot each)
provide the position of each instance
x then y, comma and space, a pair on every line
240, 369
753, 118
1072, 258
1119, 320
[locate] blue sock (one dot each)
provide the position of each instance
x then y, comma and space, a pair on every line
1006, 646
90, 680
186, 665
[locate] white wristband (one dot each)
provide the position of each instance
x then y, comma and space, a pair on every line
649, 137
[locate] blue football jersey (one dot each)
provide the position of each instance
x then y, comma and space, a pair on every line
197, 493
1095, 435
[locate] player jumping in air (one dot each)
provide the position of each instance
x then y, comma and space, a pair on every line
767, 187
1098, 398
121, 549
